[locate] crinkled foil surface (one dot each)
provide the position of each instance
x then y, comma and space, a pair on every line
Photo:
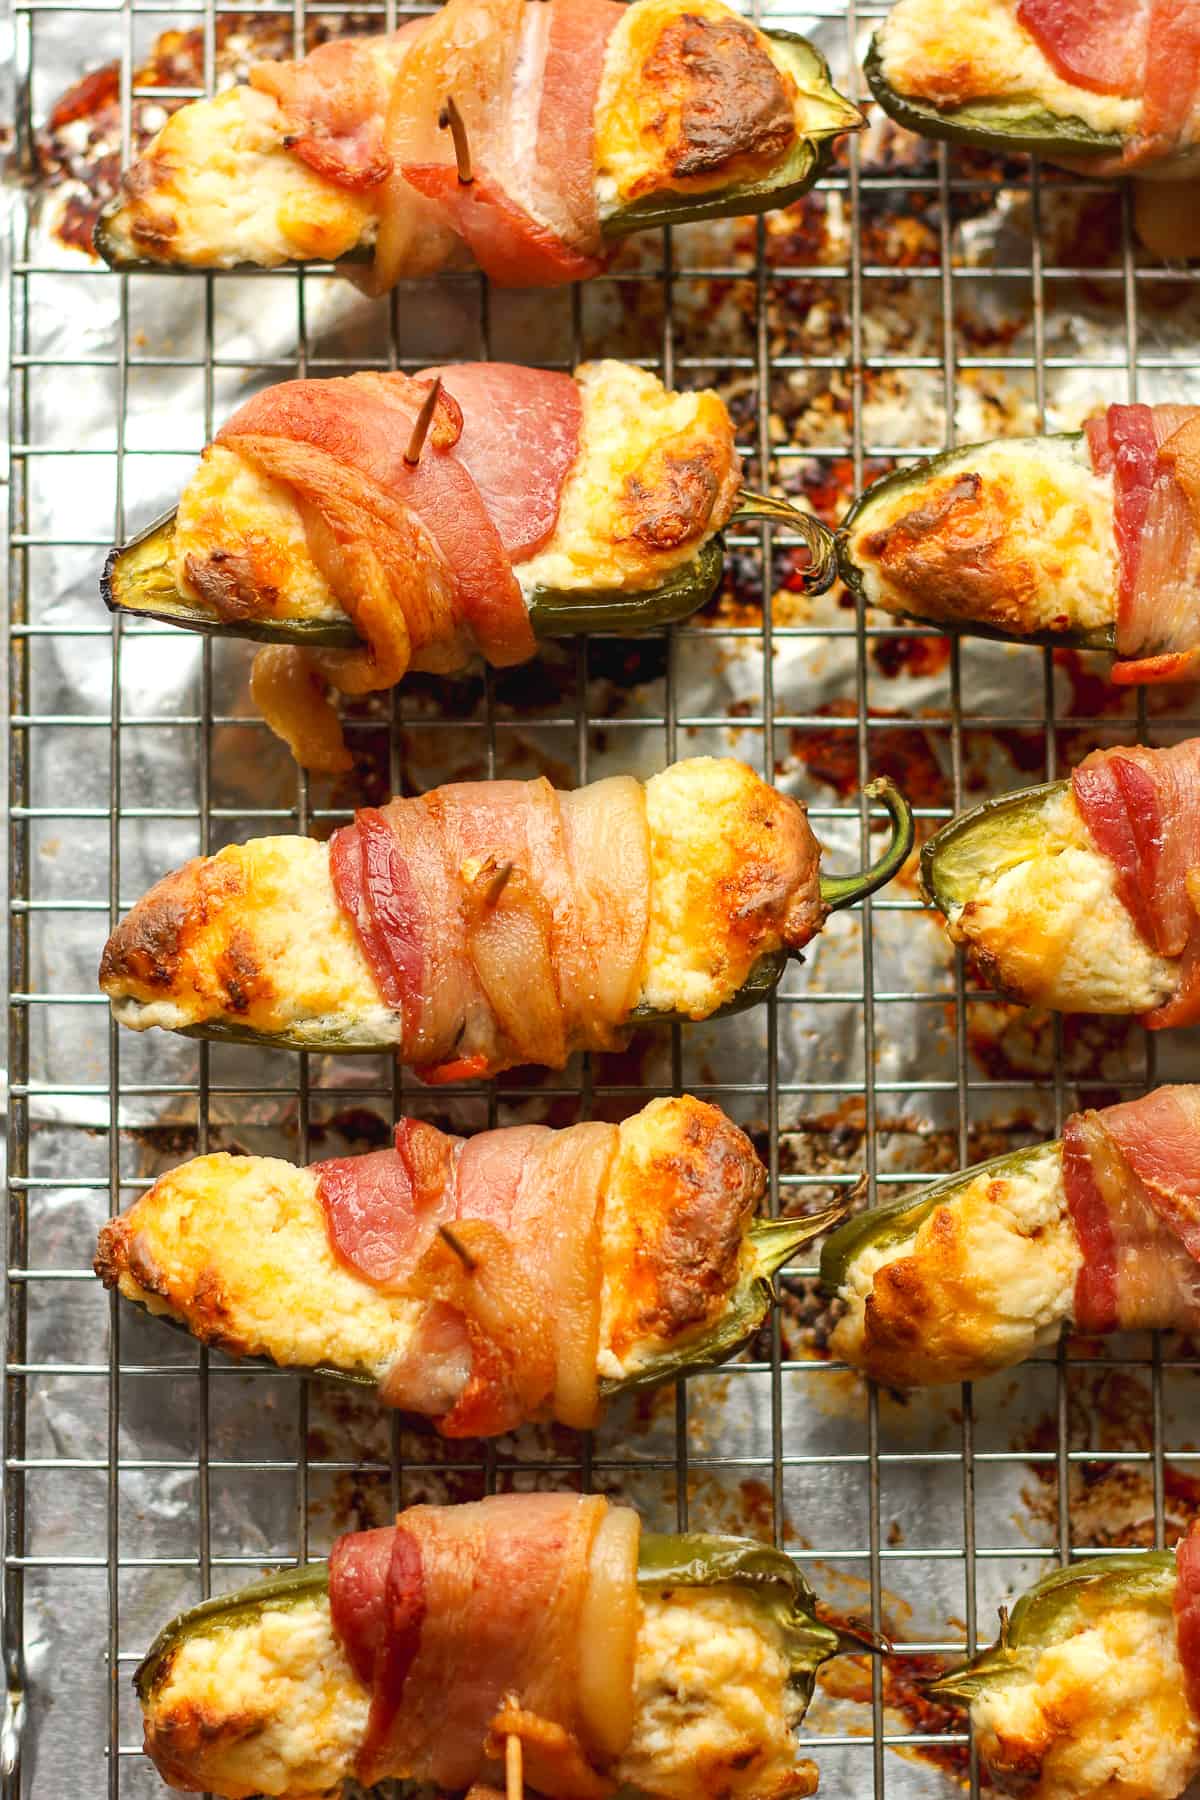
914, 300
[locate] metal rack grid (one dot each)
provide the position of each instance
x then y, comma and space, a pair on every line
853, 1757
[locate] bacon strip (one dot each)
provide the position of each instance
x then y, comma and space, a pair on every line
525, 78
533, 942
1158, 600
1129, 48
1142, 810
341, 446
487, 1600
373, 885
1097, 44
1096, 1285
377, 1608
333, 104
1171, 80
519, 441
511, 1327
1132, 1180
1187, 1612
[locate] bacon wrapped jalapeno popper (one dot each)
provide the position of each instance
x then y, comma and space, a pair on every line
520, 1274
1093, 1686
1089, 538
1108, 89
1100, 1232
1083, 895
677, 1666
359, 533
518, 136
490, 924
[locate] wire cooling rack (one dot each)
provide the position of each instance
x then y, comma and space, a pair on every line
922, 296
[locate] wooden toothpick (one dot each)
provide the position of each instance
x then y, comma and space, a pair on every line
420, 430
450, 119
514, 1782
460, 1250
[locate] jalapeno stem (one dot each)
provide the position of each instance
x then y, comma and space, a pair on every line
844, 890
775, 1240
819, 540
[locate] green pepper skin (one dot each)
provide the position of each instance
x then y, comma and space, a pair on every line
1003, 127
984, 841
773, 1241
680, 1560
809, 158
141, 568
1048, 1612
137, 580
328, 1039
898, 1221
911, 479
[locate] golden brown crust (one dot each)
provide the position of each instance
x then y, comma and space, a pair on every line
180, 938
124, 1259
687, 1188
912, 1321
775, 887
182, 1736
233, 585
951, 555
714, 100
686, 487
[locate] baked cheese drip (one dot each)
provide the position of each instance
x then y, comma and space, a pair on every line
1051, 929
953, 52
987, 1280
651, 463
271, 1706
1104, 1712
254, 935
1016, 535
690, 98
237, 1249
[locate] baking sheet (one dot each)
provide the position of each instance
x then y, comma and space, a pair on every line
917, 299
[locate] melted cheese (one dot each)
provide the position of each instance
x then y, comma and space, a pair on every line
714, 1710
237, 1249
229, 509
216, 187
643, 95
1052, 931
1037, 531
266, 1706
254, 935
682, 1171
630, 422
987, 1280
637, 440
953, 52
1102, 1713
701, 815
271, 1705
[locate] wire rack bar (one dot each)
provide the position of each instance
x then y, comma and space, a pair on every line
51, 1114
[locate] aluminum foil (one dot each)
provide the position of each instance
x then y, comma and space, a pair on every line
912, 301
